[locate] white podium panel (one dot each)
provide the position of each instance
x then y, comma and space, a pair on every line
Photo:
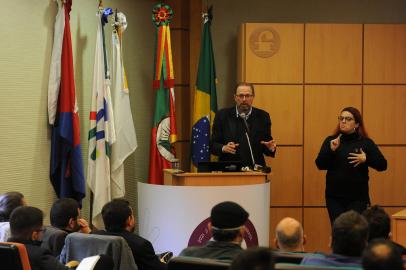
173, 217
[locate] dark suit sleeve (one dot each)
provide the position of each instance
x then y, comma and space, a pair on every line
217, 135
326, 156
146, 259
48, 262
267, 136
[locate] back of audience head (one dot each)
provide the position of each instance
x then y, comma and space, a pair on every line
378, 222
227, 221
259, 258
381, 254
289, 235
64, 214
118, 216
8, 202
350, 234
26, 223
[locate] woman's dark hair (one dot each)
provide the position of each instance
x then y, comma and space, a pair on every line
357, 118
8, 202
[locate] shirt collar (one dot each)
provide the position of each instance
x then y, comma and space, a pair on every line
246, 116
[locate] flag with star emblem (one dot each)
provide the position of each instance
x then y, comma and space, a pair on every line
205, 100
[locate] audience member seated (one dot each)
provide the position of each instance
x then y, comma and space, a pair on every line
26, 227
65, 219
253, 259
8, 202
382, 254
227, 228
379, 225
349, 238
119, 220
289, 241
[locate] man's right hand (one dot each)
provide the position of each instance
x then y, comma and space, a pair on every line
230, 148
334, 144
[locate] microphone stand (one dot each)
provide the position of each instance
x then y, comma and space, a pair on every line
256, 167
243, 116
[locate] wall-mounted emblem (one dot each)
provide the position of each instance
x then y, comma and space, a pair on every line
264, 42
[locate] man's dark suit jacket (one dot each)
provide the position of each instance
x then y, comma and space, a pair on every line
40, 258
227, 127
142, 249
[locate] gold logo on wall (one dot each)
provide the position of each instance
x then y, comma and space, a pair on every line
264, 42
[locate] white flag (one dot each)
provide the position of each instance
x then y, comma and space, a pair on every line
101, 131
54, 82
126, 140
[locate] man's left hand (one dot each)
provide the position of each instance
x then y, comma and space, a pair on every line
84, 226
271, 145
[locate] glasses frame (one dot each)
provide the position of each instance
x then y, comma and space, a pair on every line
346, 118
246, 96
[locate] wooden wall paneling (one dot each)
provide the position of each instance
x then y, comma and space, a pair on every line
384, 53
241, 77
323, 104
274, 53
389, 187
284, 103
393, 210
277, 214
317, 228
286, 179
195, 24
333, 53
180, 56
180, 13
182, 109
182, 149
384, 113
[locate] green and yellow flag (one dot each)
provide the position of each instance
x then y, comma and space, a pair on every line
205, 100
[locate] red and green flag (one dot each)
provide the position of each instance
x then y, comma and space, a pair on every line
205, 100
163, 133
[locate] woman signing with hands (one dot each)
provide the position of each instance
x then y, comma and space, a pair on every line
346, 155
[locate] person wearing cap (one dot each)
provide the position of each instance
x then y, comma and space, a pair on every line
227, 228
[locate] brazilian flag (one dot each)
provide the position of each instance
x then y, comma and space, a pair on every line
205, 99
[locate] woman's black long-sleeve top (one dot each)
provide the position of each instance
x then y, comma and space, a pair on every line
343, 180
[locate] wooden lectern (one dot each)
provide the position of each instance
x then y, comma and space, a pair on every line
179, 178
399, 227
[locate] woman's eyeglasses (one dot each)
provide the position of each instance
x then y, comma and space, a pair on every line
346, 118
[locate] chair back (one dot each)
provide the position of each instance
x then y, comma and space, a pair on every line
79, 246
288, 257
191, 263
14, 256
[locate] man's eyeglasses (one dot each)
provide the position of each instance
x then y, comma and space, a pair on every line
346, 118
246, 96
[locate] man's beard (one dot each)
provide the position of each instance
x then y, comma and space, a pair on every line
244, 108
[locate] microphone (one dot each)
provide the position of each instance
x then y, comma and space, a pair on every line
244, 119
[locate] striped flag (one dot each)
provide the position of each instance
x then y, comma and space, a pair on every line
101, 130
163, 132
66, 166
126, 140
205, 100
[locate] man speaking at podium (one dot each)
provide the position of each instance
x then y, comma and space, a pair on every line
242, 133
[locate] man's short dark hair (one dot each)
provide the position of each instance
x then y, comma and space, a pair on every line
62, 211
378, 222
225, 235
350, 234
259, 258
8, 202
24, 220
115, 214
245, 84
381, 254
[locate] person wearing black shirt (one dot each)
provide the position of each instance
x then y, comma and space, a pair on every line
229, 141
347, 155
